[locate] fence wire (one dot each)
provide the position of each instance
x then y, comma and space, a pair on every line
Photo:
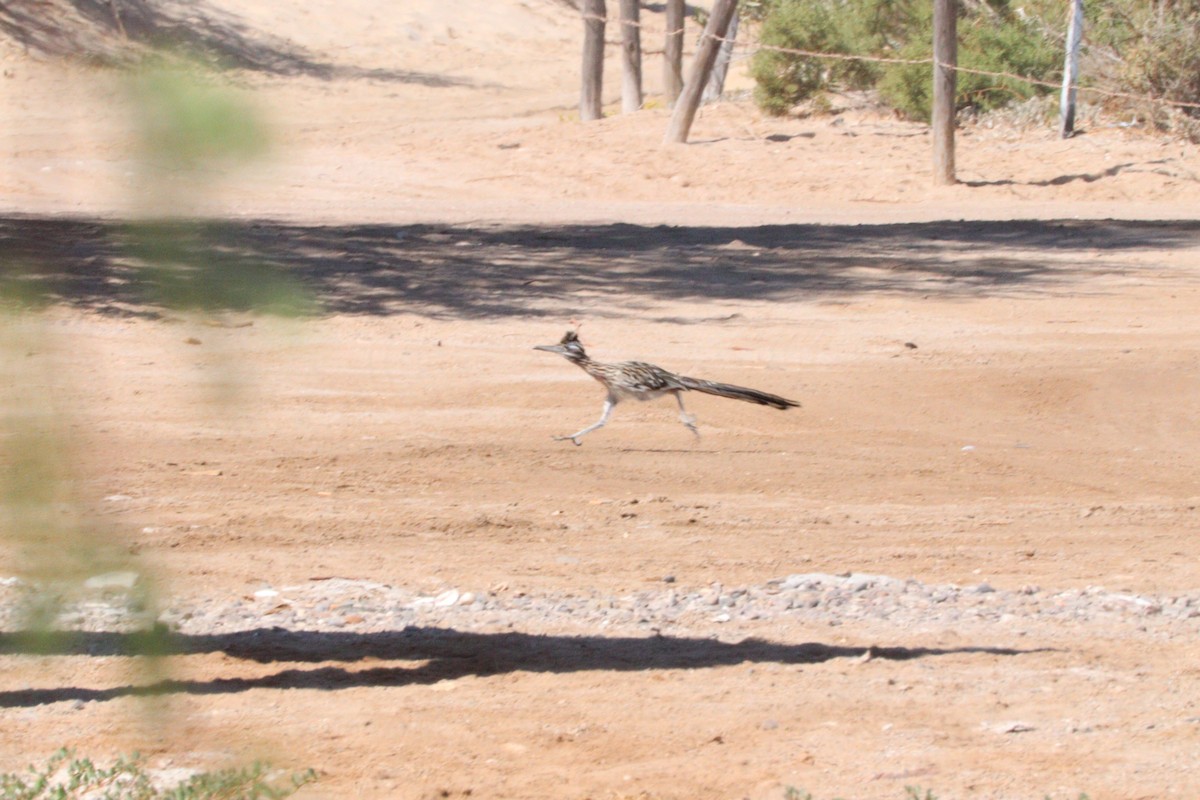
757, 46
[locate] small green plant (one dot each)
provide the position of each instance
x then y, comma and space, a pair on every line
910, 793
64, 777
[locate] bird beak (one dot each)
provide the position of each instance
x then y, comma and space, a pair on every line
551, 348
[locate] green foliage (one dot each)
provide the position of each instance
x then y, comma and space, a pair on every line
1130, 46
910, 793
821, 26
1150, 49
63, 777
792, 793
193, 129
187, 265
915, 793
991, 37
999, 42
189, 122
784, 78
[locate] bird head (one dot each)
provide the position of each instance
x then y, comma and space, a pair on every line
568, 347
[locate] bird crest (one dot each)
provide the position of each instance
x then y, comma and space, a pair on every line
571, 344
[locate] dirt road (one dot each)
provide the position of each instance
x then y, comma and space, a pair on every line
381, 566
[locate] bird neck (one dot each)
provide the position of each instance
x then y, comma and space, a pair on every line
581, 358
583, 361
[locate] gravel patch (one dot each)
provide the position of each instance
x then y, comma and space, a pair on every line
805, 598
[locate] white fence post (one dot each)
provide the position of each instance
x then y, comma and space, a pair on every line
1071, 70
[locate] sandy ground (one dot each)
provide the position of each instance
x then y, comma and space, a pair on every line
998, 380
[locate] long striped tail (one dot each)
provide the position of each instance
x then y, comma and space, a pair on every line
738, 393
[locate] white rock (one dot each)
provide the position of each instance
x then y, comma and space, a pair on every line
446, 598
112, 580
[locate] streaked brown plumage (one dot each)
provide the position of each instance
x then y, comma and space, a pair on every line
642, 381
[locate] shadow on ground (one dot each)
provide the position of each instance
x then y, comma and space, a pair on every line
599, 270
448, 654
112, 33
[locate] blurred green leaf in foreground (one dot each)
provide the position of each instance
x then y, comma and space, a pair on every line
192, 129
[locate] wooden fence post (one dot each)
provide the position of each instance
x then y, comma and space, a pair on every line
716, 81
590, 102
673, 51
945, 63
1071, 70
702, 64
631, 57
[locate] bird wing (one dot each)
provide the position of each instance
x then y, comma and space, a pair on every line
648, 377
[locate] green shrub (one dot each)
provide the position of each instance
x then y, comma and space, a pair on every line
783, 79
1151, 49
991, 37
820, 26
999, 42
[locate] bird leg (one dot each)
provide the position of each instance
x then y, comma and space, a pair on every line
687, 418
609, 402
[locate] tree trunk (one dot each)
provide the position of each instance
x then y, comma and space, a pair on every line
673, 51
631, 57
702, 64
1071, 70
590, 103
716, 81
945, 61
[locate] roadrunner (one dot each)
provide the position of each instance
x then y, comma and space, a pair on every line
643, 381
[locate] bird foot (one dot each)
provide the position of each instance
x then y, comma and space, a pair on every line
574, 440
